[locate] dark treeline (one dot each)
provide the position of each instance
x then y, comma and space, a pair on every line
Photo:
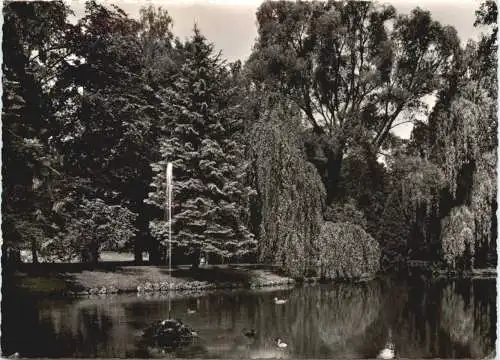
289, 158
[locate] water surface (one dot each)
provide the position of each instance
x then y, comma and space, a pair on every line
445, 319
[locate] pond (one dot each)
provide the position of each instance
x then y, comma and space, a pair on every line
445, 319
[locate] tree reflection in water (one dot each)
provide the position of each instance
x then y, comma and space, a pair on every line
467, 318
445, 319
457, 318
93, 329
357, 307
332, 316
441, 319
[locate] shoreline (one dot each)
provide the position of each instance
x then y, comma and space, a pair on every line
484, 273
128, 279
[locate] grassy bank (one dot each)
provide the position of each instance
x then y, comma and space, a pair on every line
485, 273
111, 278
117, 274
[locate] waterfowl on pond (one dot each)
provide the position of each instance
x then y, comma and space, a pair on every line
249, 333
190, 311
279, 301
281, 344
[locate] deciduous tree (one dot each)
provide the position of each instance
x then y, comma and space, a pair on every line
352, 74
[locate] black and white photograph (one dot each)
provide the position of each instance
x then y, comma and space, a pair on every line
217, 179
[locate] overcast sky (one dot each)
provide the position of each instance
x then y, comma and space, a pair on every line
231, 25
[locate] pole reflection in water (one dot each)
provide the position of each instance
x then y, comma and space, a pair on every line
438, 320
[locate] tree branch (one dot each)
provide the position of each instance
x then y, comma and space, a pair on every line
308, 110
379, 139
401, 123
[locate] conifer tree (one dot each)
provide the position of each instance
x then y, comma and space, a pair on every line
210, 200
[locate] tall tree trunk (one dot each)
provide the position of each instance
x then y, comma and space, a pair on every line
34, 252
94, 253
155, 254
256, 214
11, 257
138, 250
143, 238
333, 169
195, 259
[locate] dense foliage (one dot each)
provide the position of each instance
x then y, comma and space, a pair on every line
458, 230
34, 53
92, 226
291, 191
210, 199
352, 75
346, 251
290, 158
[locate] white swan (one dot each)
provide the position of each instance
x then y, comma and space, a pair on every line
279, 301
281, 344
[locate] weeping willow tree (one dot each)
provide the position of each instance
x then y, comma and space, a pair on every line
464, 131
291, 192
467, 151
449, 163
457, 235
450, 187
483, 197
421, 183
416, 187
346, 251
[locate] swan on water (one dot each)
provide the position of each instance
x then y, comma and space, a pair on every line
281, 344
279, 301
249, 333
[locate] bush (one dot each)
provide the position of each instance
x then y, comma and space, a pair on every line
345, 250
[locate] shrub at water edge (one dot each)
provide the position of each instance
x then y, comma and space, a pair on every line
346, 251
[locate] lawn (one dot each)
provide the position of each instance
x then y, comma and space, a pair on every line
117, 274
105, 256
